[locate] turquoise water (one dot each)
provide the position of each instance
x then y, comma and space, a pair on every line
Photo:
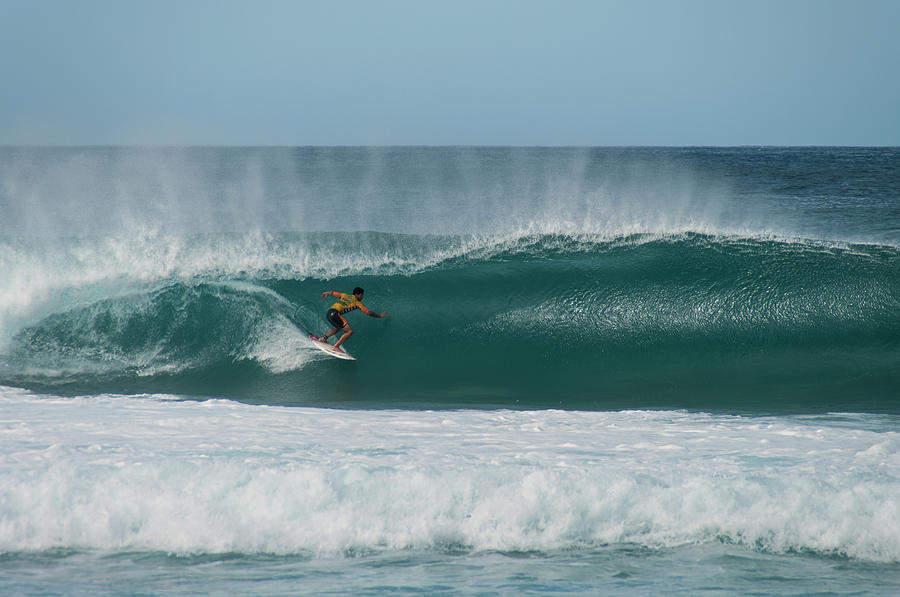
615, 370
546, 321
624, 570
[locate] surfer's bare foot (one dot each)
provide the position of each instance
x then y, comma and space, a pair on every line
337, 349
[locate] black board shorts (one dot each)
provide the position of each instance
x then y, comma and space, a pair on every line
335, 319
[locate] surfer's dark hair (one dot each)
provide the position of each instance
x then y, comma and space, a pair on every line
358, 290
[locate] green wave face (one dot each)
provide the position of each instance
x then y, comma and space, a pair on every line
689, 321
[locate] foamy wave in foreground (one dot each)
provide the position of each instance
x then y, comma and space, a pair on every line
125, 473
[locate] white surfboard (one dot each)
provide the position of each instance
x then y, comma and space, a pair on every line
329, 350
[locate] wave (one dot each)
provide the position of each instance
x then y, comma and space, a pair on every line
144, 473
577, 321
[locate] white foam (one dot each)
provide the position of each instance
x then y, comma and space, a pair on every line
281, 346
145, 473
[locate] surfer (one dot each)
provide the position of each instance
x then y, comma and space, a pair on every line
345, 304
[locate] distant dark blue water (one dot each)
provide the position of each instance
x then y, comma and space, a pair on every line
716, 332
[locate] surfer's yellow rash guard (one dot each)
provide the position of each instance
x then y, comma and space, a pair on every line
347, 303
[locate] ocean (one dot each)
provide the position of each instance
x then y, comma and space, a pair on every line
631, 371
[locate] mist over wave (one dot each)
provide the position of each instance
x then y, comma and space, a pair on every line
840, 194
58, 192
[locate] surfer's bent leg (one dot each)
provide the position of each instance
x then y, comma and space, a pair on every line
348, 331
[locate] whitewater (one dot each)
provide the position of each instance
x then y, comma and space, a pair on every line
639, 371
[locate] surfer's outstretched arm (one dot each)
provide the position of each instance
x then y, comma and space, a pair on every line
332, 293
371, 313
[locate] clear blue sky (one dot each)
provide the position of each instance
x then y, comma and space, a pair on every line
454, 72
